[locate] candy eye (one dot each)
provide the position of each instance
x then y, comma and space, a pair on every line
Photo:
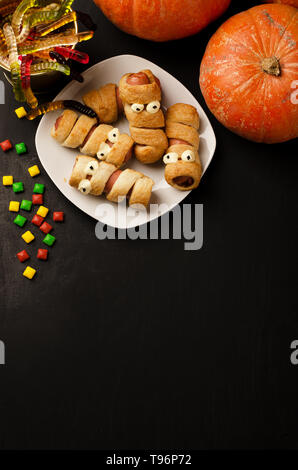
137, 107
103, 151
171, 157
91, 168
113, 135
153, 107
188, 156
85, 186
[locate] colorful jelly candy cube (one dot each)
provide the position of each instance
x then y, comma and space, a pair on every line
14, 206
20, 220
39, 188
26, 205
58, 216
37, 220
37, 199
6, 145
23, 256
29, 272
49, 240
21, 148
33, 171
18, 187
42, 254
43, 211
46, 228
7, 180
21, 112
28, 237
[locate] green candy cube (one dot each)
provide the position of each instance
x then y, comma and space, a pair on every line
26, 205
38, 188
21, 148
49, 240
18, 187
20, 220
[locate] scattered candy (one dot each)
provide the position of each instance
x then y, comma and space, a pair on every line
43, 211
39, 188
37, 220
33, 171
28, 237
7, 180
29, 273
26, 205
42, 254
49, 240
18, 187
37, 199
46, 228
23, 256
58, 216
21, 112
14, 206
21, 148
20, 220
6, 145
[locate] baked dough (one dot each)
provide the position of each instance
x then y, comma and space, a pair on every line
131, 184
99, 135
104, 103
79, 132
63, 125
184, 170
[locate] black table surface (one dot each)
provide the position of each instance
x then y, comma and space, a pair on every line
140, 344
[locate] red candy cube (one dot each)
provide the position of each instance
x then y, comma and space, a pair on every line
58, 216
23, 256
42, 254
6, 145
37, 220
37, 199
46, 228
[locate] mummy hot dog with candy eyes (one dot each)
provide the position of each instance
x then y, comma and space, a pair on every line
140, 94
105, 102
90, 176
183, 167
102, 140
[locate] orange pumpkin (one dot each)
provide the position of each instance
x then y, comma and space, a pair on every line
293, 3
162, 20
249, 73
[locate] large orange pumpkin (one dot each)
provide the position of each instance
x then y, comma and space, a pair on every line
250, 71
162, 20
294, 3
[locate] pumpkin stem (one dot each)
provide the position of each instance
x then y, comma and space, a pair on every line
271, 66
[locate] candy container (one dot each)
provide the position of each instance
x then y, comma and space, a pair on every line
26, 80
13, 62
53, 41
50, 66
54, 105
74, 74
73, 54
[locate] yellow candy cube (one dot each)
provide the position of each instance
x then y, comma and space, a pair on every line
42, 211
7, 180
33, 171
29, 273
28, 237
14, 206
21, 112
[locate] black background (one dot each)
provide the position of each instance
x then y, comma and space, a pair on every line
122, 344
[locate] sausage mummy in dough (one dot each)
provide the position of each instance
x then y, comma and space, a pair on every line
105, 102
183, 167
90, 176
140, 94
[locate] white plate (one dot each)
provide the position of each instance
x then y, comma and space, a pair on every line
58, 161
